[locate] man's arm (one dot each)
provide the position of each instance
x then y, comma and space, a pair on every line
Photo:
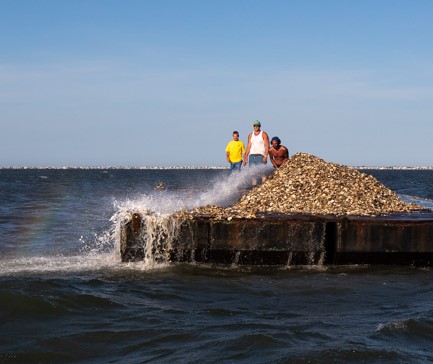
243, 151
228, 152
271, 158
266, 141
248, 149
286, 155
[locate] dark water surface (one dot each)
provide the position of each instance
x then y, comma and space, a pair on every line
66, 297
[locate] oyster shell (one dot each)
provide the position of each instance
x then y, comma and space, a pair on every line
309, 185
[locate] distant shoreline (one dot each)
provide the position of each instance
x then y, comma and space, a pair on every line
196, 168
402, 168
119, 168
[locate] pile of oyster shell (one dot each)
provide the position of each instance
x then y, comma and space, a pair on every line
308, 185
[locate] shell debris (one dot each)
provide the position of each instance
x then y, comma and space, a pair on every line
307, 184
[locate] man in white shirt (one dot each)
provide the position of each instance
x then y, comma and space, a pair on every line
257, 148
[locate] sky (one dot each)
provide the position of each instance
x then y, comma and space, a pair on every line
166, 82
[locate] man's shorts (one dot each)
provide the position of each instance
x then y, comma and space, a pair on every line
255, 159
235, 166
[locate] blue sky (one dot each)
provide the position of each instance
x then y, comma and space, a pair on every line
164, 82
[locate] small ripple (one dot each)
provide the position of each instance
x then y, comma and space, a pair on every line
19, 305
220, 312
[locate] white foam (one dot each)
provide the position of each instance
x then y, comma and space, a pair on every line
59, 264
91, 262
229, 189
223, 192
397, 325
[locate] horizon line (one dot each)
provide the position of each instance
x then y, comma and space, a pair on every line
196, 167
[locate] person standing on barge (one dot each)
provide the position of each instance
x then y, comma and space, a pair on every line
257, 149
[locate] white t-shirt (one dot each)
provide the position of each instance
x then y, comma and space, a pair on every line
257, 144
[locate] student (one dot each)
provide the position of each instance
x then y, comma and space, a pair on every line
257, 148
278, 154
235, 152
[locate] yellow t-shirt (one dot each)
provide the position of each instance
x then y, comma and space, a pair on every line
236, 149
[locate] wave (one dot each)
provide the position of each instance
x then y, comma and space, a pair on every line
421, 326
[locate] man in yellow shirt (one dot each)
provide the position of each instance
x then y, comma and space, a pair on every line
235, 152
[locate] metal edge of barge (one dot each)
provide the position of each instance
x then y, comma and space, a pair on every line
396, 239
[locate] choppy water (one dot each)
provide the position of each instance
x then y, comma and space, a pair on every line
66, 297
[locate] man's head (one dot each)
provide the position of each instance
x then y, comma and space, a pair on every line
275, 141
235, 135
256, 125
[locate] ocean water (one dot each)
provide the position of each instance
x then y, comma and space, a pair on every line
65, 297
